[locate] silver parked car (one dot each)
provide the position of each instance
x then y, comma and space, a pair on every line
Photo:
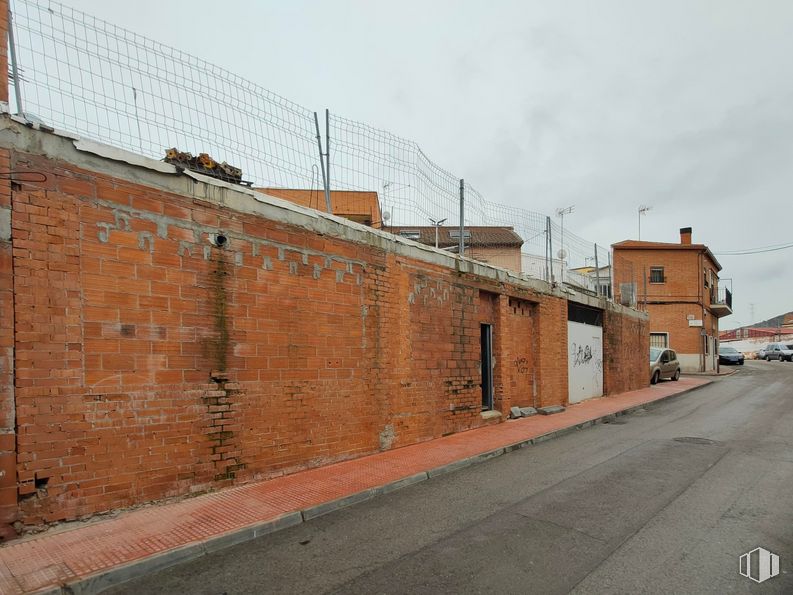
663, 364
781, 351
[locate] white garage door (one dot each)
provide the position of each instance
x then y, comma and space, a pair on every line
584, 361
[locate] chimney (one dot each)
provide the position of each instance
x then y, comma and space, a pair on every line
685, 236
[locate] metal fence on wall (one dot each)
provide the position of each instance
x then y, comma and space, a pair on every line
87, 76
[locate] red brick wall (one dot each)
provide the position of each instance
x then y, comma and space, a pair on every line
672, 319
552, 380
8, 493
682, 294
623, 338
520, 355
151, 363
8, 479
504, 257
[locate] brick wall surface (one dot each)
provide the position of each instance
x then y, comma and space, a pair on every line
623, 339
682, 294
8, 489
152, 363
504, 257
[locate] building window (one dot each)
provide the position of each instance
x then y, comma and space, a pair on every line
410, 234
660, 340
455, 234
657, 275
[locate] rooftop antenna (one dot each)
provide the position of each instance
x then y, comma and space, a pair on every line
642, 210
562, 254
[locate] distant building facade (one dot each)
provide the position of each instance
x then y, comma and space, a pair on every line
678, 285
361, 207
497, 246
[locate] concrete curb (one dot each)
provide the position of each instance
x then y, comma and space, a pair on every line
105, 579
467, 462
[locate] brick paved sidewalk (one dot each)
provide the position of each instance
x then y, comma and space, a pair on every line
92, 556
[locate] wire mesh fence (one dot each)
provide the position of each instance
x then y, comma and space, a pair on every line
101, 81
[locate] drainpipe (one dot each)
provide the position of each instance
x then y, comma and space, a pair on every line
703, 332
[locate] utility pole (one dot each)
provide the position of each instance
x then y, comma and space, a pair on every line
437, 224
642, 210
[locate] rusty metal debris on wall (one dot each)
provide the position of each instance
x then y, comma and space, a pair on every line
205, 164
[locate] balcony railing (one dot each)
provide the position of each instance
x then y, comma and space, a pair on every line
723, 297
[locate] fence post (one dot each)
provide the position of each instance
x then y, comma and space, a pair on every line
14, 66
327, 159
547, 252
597, 272
325, 184
550, 245
644, 281
461, 243
611, 279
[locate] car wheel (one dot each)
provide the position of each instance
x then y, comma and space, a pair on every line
740, 363
676, 375
768, 358
656, 376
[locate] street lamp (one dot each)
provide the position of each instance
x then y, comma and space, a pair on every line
437, 224
642, 210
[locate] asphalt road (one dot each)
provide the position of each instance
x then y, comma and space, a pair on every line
661, 501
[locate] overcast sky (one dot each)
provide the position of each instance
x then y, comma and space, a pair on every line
686, 106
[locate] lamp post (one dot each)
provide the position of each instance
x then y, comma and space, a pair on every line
437, 224
642, 210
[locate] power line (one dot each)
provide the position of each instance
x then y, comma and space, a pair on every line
755, 250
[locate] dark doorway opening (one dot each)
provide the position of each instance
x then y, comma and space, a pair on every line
486, 343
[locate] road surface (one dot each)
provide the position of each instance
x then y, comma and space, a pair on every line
661, 501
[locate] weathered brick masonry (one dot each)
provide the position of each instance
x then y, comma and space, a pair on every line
8, 485
175, 335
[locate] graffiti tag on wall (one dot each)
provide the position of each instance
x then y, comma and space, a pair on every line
586, 355
581, 355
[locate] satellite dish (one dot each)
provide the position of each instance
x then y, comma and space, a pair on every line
562, 254
386, 216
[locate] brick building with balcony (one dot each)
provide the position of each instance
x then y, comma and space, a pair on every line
678, 285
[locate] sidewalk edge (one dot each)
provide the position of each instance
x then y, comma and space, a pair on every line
98, 582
